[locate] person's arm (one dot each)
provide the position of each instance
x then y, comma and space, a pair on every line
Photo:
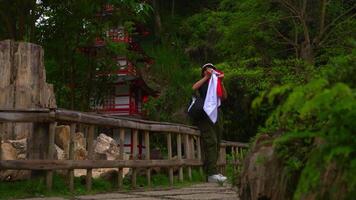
199, 83
221, 76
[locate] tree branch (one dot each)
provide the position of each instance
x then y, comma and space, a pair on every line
289, 41
336, 19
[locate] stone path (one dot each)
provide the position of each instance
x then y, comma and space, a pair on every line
204, 191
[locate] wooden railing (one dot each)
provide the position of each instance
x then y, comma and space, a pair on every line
187, 140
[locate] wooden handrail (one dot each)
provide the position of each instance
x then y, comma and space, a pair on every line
187, 138
233, 144
42, 115
92, 164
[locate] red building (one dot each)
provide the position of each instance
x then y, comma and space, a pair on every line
128, 91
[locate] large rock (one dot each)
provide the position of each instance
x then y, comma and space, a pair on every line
19, 145
262, 176
59, 153
105, 145
80, 152
9, 152
62, 138
79, 141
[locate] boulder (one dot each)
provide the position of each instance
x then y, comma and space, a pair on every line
62, 138
19, 145
106, 145
9, 152
79, 141
80, 152
261, 176
59, 153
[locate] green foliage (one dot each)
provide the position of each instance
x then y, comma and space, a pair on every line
174, 76
317, 120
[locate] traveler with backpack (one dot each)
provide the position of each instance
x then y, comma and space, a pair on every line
208, 117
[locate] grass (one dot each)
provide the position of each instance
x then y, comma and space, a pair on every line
37, 188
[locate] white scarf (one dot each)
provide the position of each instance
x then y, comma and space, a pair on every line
212, 101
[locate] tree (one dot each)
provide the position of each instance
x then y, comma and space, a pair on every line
18, 19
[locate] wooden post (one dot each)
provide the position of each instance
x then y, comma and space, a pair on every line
169, 147
192, 152
192, 148
147, 147
199, 156
240, 158
223, 170
221, 159
90, 156
122, 149
234, 158
134, 157
71, 156
187, 154
1, 136
49, 175
179, 155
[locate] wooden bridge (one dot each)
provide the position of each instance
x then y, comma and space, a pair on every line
186, 138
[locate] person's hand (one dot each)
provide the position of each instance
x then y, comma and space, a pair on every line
221, 76
207, 73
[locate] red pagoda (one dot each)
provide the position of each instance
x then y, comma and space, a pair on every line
129, 91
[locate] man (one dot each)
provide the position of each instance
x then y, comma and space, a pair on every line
210, 127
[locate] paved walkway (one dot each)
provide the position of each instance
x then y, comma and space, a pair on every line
204, 191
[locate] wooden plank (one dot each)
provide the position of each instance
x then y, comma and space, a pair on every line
192, 148
179, 155
221, 159
90, 140
199, 155
92, 164
169, 147
71, 157
147, 148
187, 155
73, 116
233, 154
223, 170
49, 174
134, 157
235, 144
8, 116
80, 117
120, 170
1, 136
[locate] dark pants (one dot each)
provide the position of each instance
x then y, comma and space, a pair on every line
210, 142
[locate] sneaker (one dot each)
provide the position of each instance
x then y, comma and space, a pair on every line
216, 178
222, 177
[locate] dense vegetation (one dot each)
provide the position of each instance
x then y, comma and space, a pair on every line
289, 69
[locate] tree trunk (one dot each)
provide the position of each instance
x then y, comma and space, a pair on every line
23, 85
158, 23
173, 8
307, 52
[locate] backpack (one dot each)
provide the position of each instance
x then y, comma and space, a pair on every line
195, 108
